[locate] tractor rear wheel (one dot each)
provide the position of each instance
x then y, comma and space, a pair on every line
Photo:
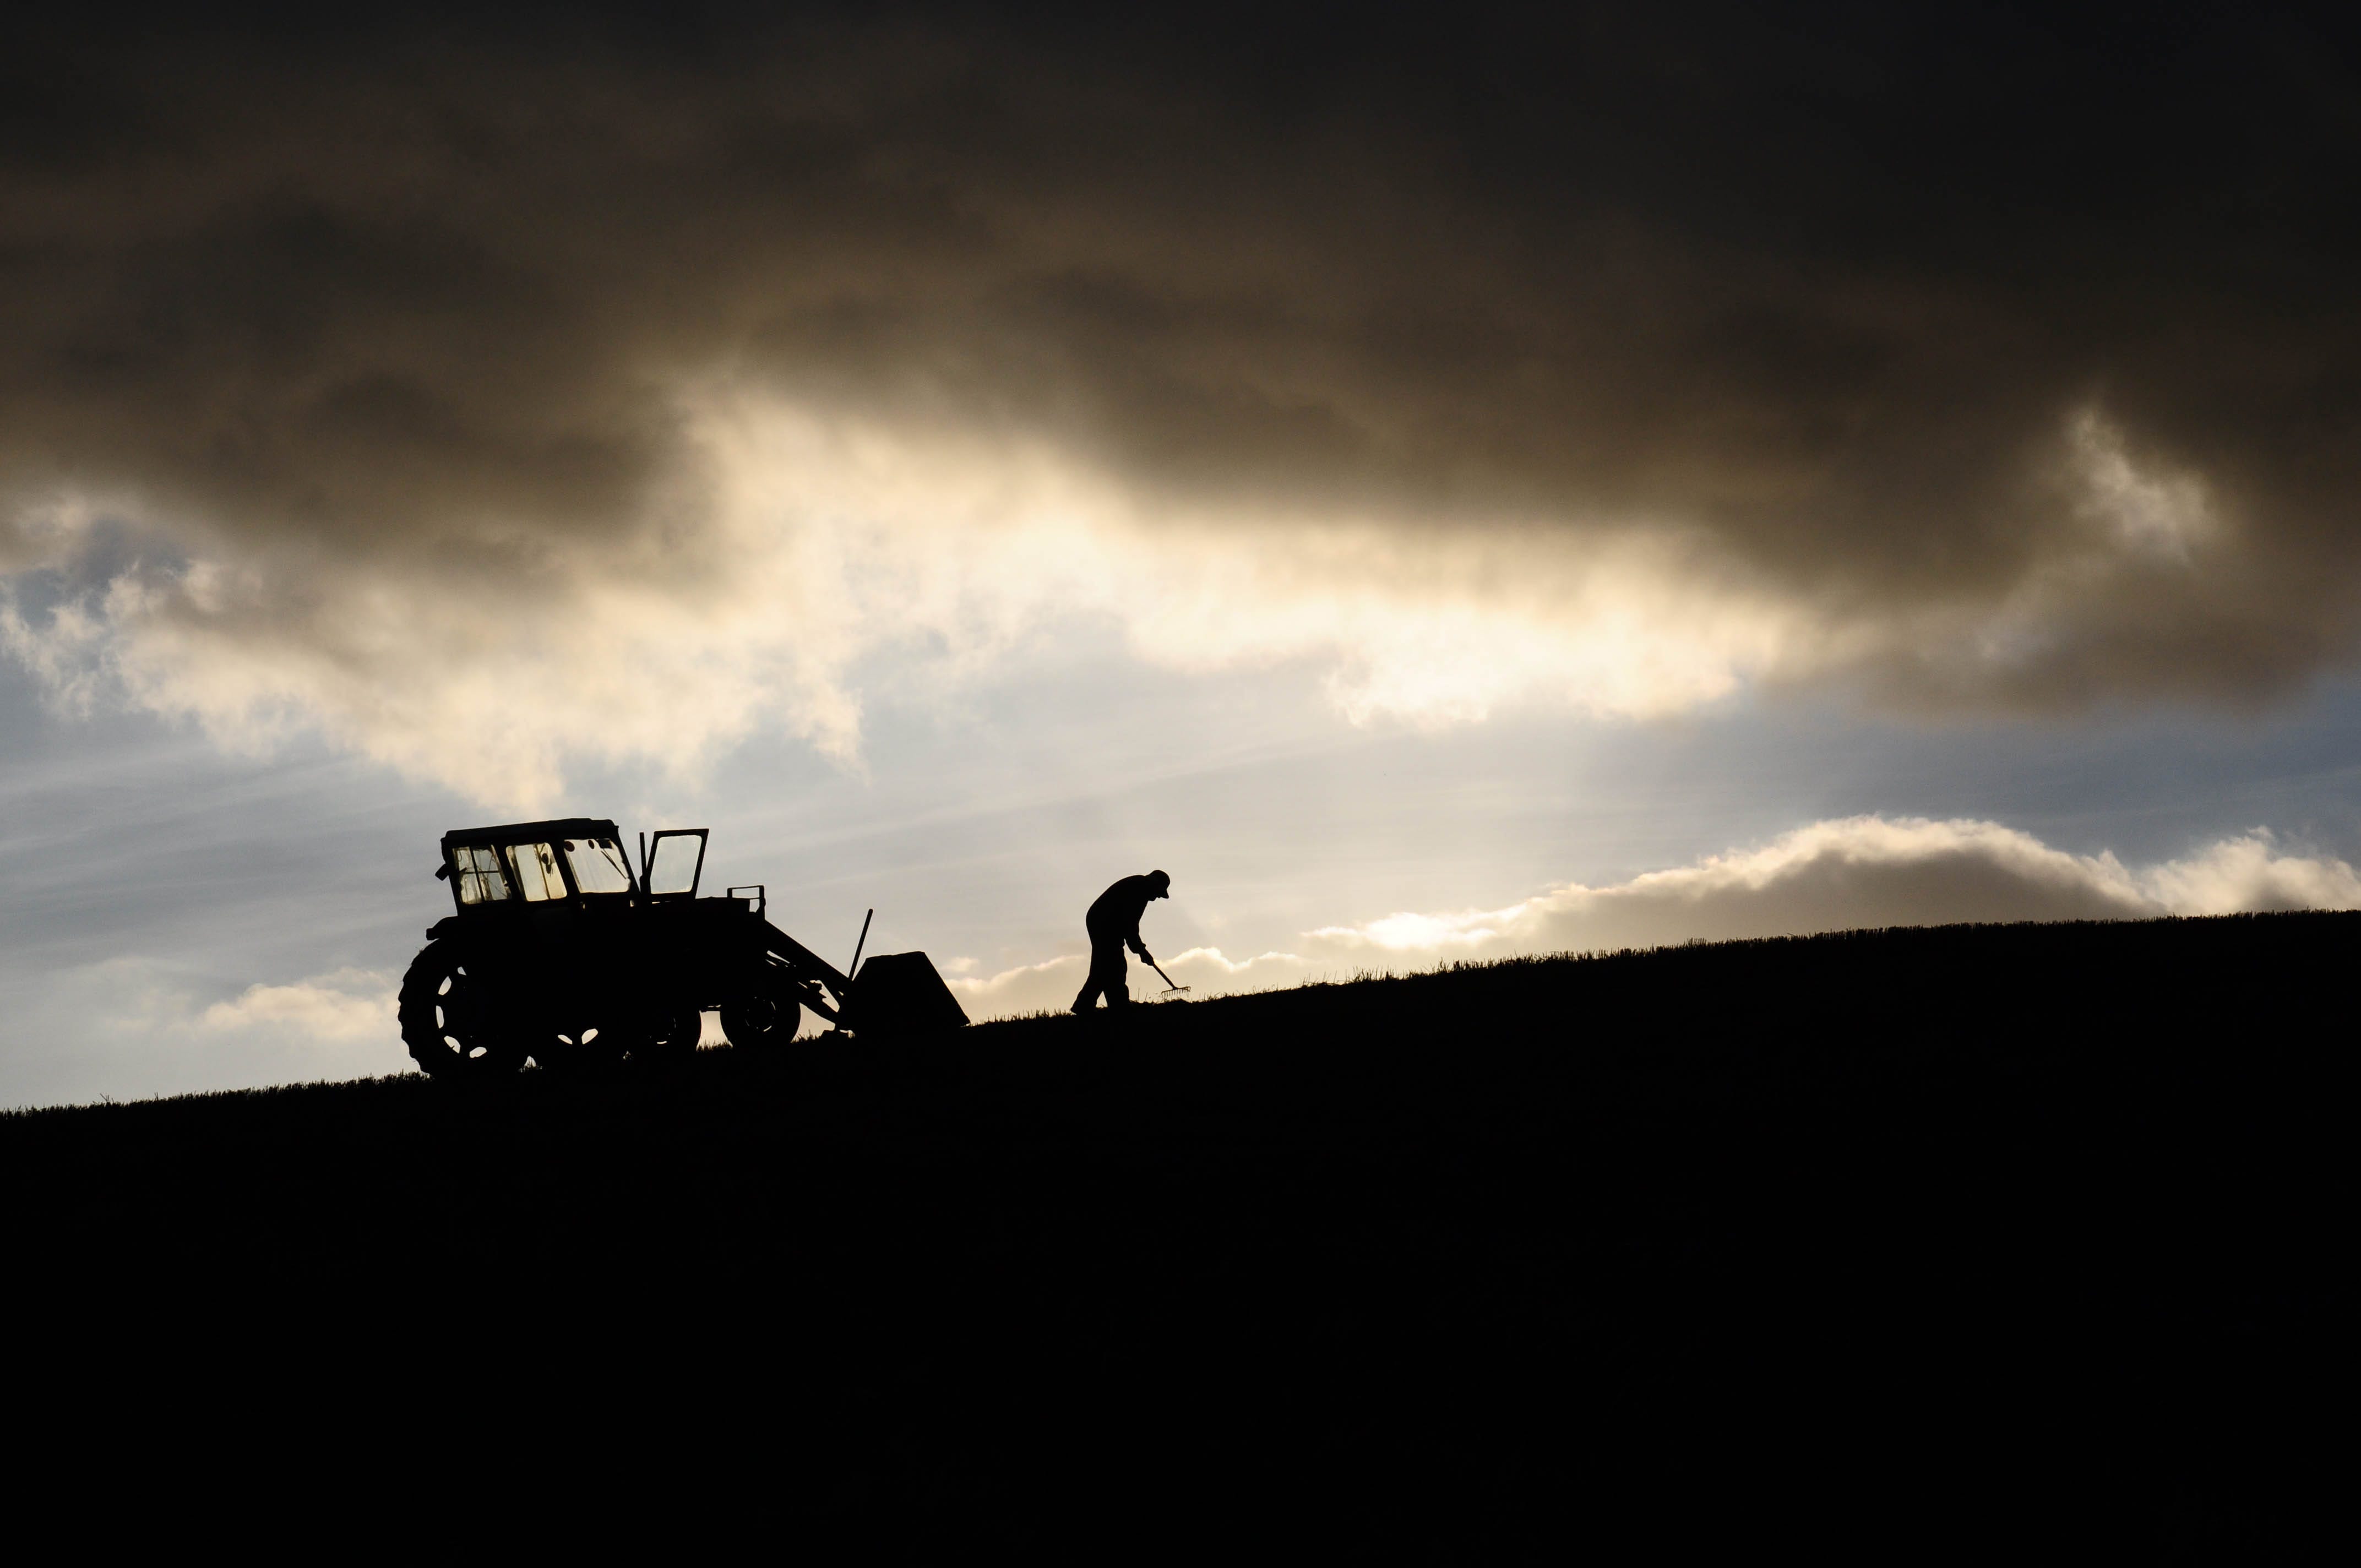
767, 1016
451, 1018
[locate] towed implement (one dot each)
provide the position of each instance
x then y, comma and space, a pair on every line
561, 951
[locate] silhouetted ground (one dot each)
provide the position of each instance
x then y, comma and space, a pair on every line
1897, 1243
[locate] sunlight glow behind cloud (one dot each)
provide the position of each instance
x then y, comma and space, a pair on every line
800, 544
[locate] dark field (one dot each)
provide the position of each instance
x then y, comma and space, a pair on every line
1898, 1242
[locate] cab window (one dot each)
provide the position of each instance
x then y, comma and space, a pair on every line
537, 875
598, 865
481, 881
676, 866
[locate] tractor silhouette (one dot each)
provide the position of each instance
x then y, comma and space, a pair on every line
560, 952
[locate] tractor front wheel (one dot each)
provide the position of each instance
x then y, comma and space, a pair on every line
451, 1019
767, 1016
672, 1034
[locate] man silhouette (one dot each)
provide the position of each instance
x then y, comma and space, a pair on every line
1114, 924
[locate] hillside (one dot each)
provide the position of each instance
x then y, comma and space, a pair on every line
1962, 1228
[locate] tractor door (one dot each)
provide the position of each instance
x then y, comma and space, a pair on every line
538, 933
549, 903
671, 863
601, 871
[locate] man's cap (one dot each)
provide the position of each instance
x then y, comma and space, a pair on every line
1160, 878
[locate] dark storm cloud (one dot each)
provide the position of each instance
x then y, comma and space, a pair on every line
1831, 288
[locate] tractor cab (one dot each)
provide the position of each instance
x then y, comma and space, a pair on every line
578, 862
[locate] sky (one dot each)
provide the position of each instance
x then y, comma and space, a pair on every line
1439, 485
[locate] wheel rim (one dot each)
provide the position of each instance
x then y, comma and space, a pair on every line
455, 1015
681, 1031
458, 1016
672, 1034
761, 1018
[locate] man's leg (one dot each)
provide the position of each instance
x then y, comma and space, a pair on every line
1096, 981
1114, 975
1106, 976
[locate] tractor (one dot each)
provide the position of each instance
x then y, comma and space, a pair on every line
560, 950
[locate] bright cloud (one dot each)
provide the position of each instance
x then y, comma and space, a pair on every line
801, 544
350, 1007
821, 543
1868, 872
